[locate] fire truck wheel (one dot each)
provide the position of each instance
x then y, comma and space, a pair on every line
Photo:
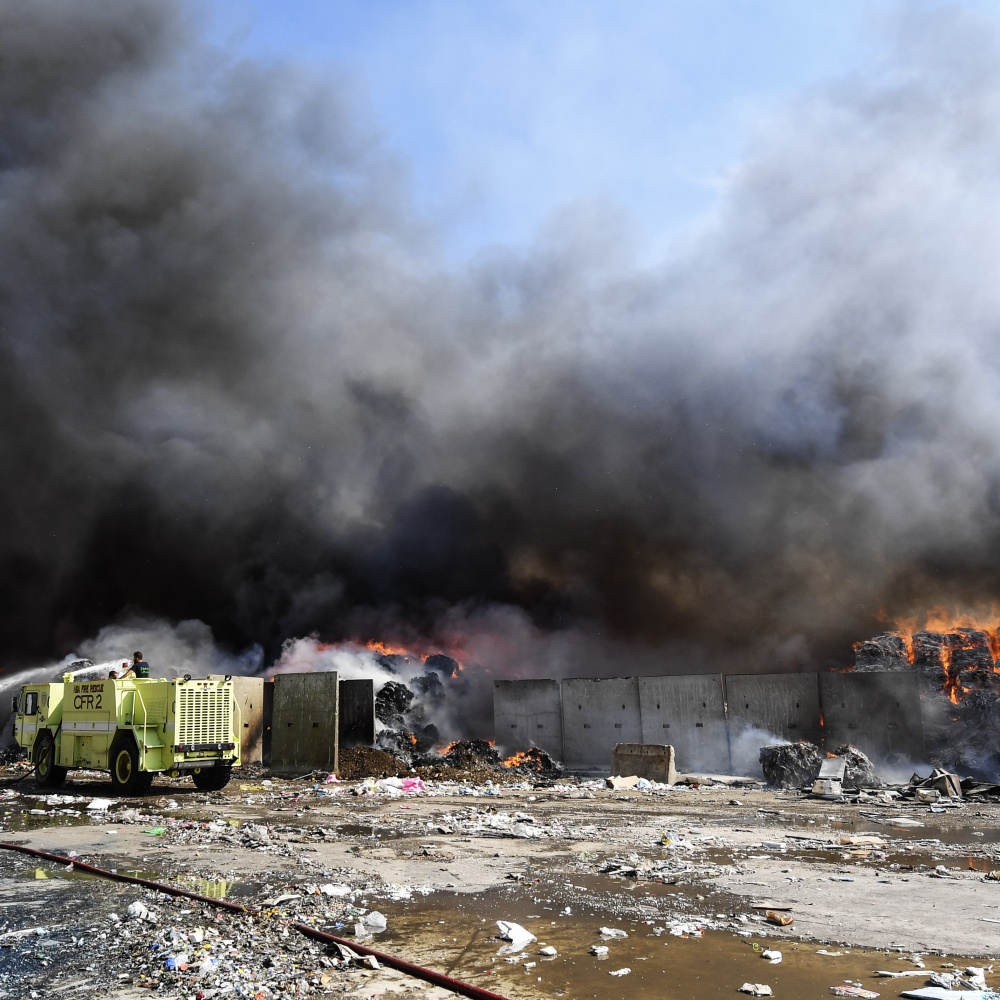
47, 771
126, 778
211, 779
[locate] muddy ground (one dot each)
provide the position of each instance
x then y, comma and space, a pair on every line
689, 874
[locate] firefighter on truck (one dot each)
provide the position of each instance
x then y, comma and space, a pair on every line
132, 727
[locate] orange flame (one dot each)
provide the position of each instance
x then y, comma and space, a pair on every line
384, 649
417, 652
953, 625
516, 760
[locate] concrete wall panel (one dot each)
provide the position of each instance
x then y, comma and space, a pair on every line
877, 712
784, 705
689, 713
528, 713
597, 715
357, 713
305, 722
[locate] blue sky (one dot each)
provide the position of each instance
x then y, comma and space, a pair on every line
503, 111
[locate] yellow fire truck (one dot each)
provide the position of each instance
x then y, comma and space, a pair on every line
134, 728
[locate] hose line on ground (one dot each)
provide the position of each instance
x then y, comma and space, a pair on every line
401, 965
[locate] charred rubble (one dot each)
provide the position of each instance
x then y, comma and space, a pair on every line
413, 742
958, 675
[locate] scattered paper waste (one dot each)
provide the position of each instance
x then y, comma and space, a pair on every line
600, 950
613, 932
548, 951
757, 990
774, 957
99, 805
853, 991
616, 781
620, 972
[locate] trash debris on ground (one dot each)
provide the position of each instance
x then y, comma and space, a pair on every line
756, 990
518, 937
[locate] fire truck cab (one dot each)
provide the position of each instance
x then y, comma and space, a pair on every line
133, 728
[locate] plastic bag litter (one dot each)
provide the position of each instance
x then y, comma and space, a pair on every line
774, 957
335, 890
548, 951
600, 950
518, 937
757, 990
138, 910
374, 922
99, 805
780, 919
613, 932
620, 972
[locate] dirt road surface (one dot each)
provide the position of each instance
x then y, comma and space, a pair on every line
689, 874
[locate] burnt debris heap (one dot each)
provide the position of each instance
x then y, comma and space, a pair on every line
959, 681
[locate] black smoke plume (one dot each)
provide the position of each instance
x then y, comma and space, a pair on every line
238, 384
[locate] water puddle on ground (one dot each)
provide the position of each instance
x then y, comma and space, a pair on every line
456, 935
19, 822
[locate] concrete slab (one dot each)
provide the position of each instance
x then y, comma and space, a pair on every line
357, 713
528, 713
689, 712
761, 707
645, 760
877, 712
598, 714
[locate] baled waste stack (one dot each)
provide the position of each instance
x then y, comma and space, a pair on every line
790, 765
795, 765
959, 675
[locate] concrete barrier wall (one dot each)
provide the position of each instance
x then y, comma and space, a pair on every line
784, 705
528, 713
689, 713
879, 713
356, 724
596, 715
582, 721
305, 722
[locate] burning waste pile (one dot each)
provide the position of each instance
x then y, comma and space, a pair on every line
958, 674
404, 710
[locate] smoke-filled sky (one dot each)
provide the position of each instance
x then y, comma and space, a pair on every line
248, 378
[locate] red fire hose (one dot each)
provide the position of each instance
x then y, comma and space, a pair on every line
417, 971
